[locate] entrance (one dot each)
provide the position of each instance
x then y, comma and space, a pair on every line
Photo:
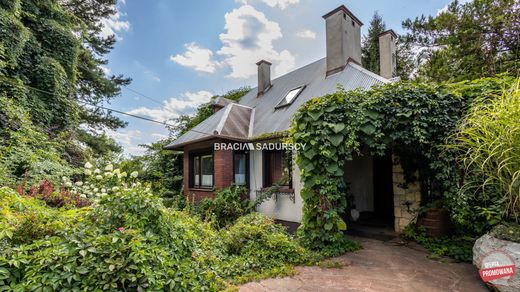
370, 196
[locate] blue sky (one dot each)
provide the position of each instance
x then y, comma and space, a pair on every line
180, 53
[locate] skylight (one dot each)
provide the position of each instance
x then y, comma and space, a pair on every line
290, 96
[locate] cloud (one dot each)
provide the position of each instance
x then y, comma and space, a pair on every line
174, 107
113, 25
195, 57
282, 4
445, 8
248, 38
306, 34
152, 76
105, 70
127, 140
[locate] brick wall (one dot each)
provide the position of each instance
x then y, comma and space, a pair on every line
403, 196
222, 170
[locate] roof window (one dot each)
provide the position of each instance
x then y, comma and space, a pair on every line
290, 96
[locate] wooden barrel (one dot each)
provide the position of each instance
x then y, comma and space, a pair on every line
436, 221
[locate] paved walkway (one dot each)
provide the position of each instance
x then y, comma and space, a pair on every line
379, 266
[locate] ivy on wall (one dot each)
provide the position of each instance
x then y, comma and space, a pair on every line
414, 120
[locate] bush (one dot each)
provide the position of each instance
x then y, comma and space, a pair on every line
488, 142
226, 207
507, 231
255, 245
25, 219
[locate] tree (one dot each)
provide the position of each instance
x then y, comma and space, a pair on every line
370, 45
51, 53
370, 50
466, 41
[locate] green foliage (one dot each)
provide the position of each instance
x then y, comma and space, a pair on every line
487, 142
457, 247
128, 240
255, 245
414, 120
228, 205
507, 231
468, 40
25, 219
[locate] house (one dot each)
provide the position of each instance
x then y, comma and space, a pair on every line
222, 149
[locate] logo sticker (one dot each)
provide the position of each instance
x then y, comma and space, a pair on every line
497, 264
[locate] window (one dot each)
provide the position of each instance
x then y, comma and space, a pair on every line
240, 167
277, 165
290, 96
201, 170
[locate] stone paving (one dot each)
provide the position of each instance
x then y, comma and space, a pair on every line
379, 266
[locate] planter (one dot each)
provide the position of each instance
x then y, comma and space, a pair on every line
490, 251
436, 221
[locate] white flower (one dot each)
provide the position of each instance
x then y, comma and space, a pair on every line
64, 178
96, 171
119, 176
83, 196
109, 167
96, 190
104, 191
115, 189
88, 172
109, 174
134, 174
124, 174
99, 177
79, 183
68, 184
147, 190
117, 171
88, 165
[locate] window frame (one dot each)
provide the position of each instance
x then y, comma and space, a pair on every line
247, 174
199, 154
300, 90
267, 168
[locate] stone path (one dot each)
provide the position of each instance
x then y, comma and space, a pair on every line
379, 266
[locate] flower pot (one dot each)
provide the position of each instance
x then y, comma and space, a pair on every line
436, 222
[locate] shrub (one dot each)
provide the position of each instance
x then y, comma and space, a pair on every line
255, 245
25, 219
226, 207
488, 142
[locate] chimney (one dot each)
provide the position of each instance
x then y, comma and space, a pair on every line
343, 33
387, 54
264, 76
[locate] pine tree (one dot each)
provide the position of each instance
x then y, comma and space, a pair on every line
370, 45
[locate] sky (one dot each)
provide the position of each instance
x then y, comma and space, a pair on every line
181, 53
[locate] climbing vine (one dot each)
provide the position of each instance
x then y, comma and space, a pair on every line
413, 120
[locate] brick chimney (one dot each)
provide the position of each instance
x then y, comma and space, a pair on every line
343, 33
387, 54
264, 76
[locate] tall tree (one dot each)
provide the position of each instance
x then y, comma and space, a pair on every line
370, 45
51, 53
370, 49
466, 41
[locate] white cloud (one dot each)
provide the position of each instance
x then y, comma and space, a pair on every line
105, 70
282, 4
195, 57
174, 107
114, 25
152, 76
445, 8
248, 38
127, 140
306, 34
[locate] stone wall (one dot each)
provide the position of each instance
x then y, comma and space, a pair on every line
406, 198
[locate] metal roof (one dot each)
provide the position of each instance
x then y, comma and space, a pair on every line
256, 115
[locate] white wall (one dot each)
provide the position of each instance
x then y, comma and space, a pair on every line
283, 208
359, 174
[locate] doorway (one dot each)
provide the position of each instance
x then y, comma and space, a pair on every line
370, 196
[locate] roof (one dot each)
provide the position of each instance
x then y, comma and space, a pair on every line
254, 116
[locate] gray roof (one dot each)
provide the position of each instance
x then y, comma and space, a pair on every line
263, 116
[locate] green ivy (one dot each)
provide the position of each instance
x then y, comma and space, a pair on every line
413, 120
